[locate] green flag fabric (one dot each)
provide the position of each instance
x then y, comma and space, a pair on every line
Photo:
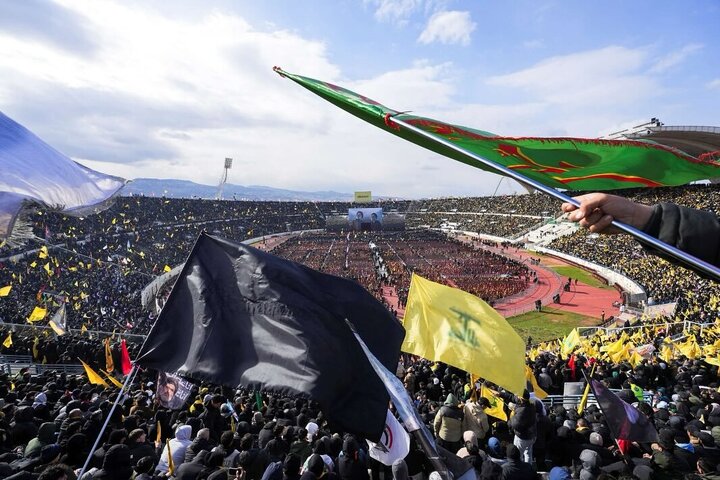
565, 163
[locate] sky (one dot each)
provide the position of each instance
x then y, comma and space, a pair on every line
169, 89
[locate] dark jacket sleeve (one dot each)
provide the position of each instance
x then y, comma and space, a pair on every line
696, 232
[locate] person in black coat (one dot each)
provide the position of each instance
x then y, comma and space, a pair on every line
139, 447
352, 463
514, 468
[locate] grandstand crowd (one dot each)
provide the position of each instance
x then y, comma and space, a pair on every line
97, 266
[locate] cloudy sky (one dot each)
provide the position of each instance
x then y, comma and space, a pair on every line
168, 89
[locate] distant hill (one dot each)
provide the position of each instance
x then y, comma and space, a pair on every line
172, 188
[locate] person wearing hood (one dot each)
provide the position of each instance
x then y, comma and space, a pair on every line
352, 461
178, 446
316, 469
448, 424
23, 427
116, 437
590, 460
470, 440
45, 436
116, 465
475, 418
76, 451
515, 468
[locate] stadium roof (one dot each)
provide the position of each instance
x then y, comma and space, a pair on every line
693, 140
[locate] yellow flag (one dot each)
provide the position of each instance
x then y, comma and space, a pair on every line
5, 291
569, 343
497, 406
93, 376
33, 264
158, 438
586, 393
35, 353
448, 325
109, 364
83, 329
37, 314
712, 361
171, 464
530, 377
167, 268
112, 379
8, 341
43, 252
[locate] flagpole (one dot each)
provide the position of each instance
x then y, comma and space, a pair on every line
107, 420
683, 257
612, 432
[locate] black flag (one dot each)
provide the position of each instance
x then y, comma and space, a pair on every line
625, 421
242, 317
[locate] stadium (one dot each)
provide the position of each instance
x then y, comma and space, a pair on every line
104, 279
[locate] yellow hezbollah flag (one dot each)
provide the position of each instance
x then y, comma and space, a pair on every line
37, 314
497, 406
8, 341
171, 464
5, 291
112, 379
571, 341
448, 325
530, 377
167, 268
43, 252
93, 376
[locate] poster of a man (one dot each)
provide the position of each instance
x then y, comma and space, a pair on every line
172, 391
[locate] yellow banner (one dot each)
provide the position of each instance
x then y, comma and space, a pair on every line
363, 197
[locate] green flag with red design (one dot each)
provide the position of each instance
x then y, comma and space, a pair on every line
566, 163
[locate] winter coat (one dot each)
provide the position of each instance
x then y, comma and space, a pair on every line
178, 446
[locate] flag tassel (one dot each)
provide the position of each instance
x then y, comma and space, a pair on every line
107, 419
682, 257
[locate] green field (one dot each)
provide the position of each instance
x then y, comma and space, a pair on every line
548, 324
584, 276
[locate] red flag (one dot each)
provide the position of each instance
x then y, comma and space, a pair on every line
571, 366
125, 364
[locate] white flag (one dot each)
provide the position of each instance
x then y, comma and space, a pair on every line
394, 443
35, 173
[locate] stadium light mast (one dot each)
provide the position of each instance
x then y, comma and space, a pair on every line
223, 178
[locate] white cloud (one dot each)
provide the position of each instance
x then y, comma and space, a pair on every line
448, 27
169, 97
611, 74
395, 11
674, 58
713, 84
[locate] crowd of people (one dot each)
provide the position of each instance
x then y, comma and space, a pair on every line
97, 267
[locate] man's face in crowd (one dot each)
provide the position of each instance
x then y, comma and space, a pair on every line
167, 391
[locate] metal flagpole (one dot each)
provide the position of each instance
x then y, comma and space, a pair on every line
107, 420
683, 257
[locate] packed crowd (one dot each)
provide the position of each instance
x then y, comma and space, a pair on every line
698, 298
48, 422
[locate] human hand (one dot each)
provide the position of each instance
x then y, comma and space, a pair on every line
598, 210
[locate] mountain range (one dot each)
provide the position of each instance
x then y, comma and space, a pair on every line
173, 188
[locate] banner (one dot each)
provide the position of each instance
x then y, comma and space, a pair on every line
363, 197
172, 391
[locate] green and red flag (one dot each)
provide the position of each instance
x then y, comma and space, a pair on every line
558, 162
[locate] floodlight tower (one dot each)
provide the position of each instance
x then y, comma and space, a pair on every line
223, 178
